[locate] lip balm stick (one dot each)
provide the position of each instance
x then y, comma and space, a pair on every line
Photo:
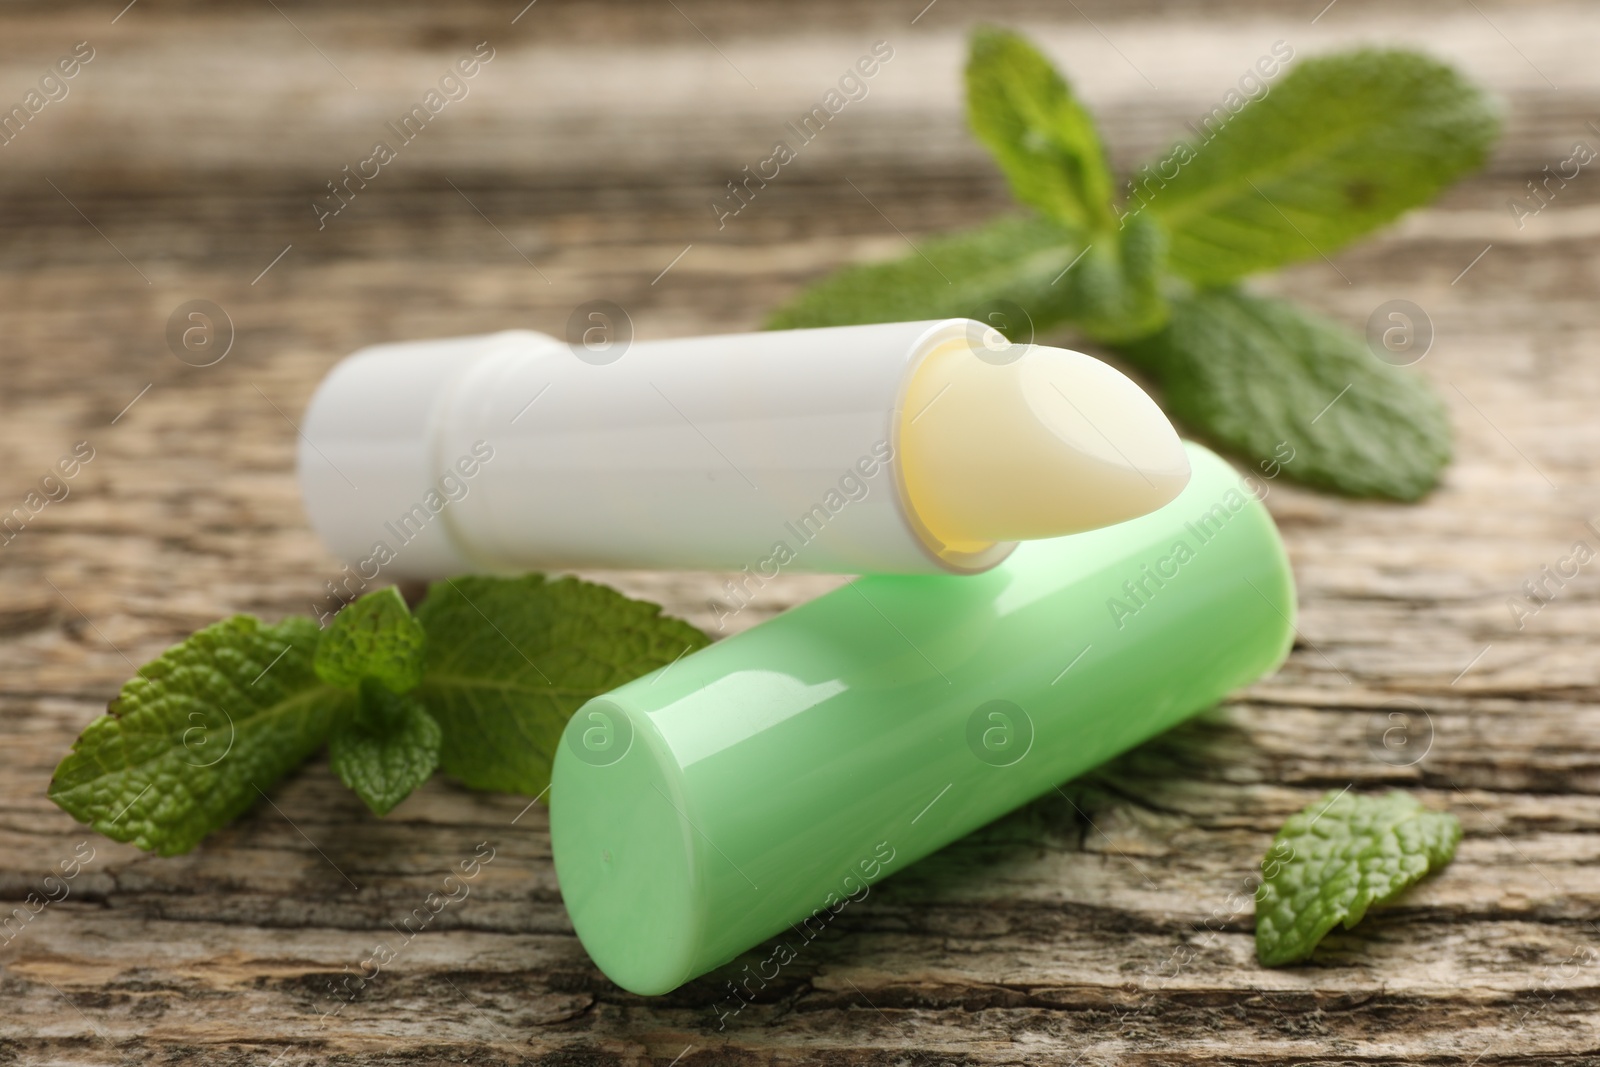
758, 785
921, 447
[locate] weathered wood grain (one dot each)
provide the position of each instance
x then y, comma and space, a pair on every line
1099, 925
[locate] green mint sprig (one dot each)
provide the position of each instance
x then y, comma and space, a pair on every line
480, 681
1339, 145
1337, 858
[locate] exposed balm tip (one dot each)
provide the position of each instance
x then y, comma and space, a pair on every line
1004, 442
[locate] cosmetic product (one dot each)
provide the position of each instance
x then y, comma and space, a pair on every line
920, 447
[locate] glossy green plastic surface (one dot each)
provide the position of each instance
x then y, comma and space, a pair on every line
760, 784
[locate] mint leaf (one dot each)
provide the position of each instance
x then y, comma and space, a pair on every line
1337, 858
1042, 137
1250, 372
510, 659
1342, 144
386, 749
375, 637
188, 745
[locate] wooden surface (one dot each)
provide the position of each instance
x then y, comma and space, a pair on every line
185, 159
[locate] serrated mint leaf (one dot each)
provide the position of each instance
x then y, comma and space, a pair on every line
1252, 373
1013, 259
386, 749
1337, 858
375, 637
510, 659
1044, 140
1338, 146
186, 745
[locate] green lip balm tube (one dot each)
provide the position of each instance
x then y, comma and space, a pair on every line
761, 784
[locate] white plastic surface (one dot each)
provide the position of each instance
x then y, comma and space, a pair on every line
764, 451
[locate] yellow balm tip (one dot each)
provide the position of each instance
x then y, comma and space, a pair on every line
1002, 442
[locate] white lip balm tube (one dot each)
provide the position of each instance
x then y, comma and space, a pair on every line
914, 448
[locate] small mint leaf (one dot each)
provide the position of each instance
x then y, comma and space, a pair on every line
1342, 144
190, 743
1252, 373
389, 747
510, 660
1043, 138
1337, 858
375, 637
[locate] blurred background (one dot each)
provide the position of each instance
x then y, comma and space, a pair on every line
194, 157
